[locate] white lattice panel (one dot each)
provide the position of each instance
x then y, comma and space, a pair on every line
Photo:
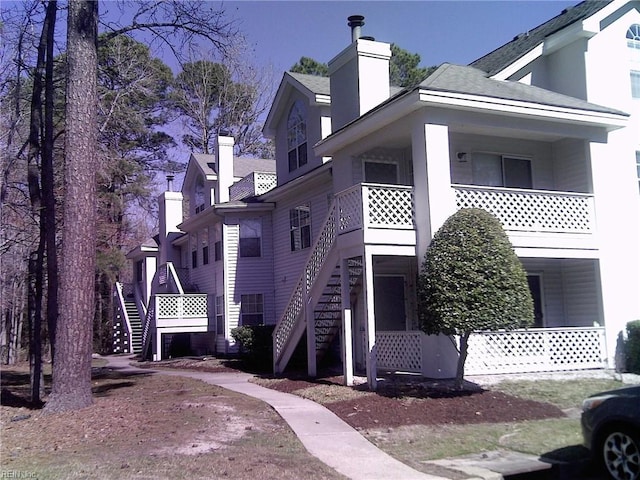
536, 350
349, 209
264, 182
390, 207
182, 306
399, 351
531, 210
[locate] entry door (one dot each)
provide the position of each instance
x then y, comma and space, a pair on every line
535, 287
389, 303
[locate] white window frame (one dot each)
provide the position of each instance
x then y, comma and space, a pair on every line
244, 235
300, 228
252, 306
384, 162
503, 159
297, 153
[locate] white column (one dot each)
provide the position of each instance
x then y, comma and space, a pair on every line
347, 330
434, 197
311, 336
369, 319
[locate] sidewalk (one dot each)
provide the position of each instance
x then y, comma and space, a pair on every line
330, 439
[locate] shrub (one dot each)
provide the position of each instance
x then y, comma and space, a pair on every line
471, 279
256, 345
632, 347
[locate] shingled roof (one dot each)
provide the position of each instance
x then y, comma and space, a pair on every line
242, 166
504, 56
472, 81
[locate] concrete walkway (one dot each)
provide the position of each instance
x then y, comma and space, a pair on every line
325, 435
322, 433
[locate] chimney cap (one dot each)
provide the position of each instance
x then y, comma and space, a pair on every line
356, 20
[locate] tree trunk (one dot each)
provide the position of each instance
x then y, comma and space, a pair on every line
71, 387
464, 346
48, 198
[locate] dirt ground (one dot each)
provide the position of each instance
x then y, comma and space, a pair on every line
398, 401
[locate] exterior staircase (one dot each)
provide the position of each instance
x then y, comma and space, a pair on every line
136, 326
328, 310
319, 289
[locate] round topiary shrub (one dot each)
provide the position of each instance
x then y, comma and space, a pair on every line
471, 279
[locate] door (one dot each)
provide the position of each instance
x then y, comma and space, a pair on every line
389, 303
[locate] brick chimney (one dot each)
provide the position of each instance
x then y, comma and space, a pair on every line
359, 76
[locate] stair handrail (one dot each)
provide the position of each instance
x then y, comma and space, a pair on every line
149, 319
315, 262
123, 311
171, 272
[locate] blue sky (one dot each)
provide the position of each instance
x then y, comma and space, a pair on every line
440, 31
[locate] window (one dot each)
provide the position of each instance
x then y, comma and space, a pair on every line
194, 251
381, 172
250, 237
501, 171
217, 243
300, 227
633, 42
199, 195
297, 136
251, 309
139, 270
220, 315
205, 247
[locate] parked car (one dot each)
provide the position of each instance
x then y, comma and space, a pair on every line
611, 430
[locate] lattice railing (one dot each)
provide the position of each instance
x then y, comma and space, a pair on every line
531, 210
181, 306
399, 351
384, 206
535, 350
319, 252
255, 183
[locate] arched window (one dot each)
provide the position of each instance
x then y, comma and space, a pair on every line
633, 42
297, 136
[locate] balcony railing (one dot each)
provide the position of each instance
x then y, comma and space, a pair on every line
375, 206
518, 351
255, 183
181, 310
531, 210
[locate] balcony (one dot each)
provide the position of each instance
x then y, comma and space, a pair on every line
186, 312
536, 218
383, 214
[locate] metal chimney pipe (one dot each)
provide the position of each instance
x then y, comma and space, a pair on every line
170, 183
356, 22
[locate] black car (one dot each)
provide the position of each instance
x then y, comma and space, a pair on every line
611, 430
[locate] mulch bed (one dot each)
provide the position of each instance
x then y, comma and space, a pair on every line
396, 404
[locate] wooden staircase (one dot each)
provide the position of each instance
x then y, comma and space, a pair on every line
136, 326
327, 312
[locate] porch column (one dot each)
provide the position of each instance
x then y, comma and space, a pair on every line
347, 330
369, 319
434, 197
311, 336
158, 355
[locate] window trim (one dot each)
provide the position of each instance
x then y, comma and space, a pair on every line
297, 153
503, 157
299, 234
242, 250
251, 305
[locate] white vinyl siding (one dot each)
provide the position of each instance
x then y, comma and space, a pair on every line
540, 154
570, 166
288, 265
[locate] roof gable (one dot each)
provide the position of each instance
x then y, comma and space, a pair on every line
313, 87
507, 54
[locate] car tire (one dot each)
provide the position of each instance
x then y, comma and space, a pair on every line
620, 449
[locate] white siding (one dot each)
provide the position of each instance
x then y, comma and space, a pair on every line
539, 152
288, 265
571, 169
230, 259
581, 291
